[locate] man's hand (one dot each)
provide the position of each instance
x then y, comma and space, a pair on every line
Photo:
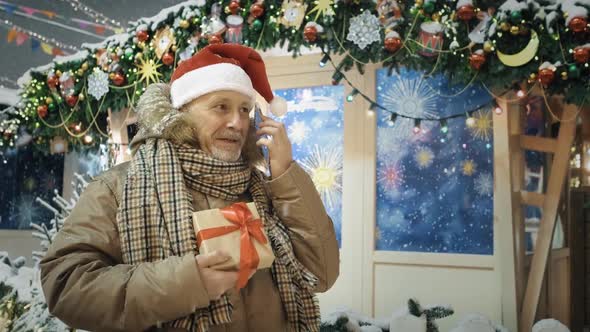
216, 282
279, 146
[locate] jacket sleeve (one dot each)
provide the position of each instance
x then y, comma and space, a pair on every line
300, 208
87, 286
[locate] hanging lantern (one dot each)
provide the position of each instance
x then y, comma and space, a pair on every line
234, 29
310, 33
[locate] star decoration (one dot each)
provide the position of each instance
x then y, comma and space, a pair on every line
148, 71
469, 167
322, 7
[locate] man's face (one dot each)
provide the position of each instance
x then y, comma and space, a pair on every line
221, 120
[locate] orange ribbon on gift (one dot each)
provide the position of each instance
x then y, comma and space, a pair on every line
243, 220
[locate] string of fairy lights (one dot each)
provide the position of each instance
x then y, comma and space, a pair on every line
374, 105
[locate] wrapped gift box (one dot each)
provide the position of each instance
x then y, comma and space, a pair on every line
238, 231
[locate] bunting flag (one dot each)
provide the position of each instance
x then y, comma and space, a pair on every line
56, 51
35, 44
47, 49
11, 9
21, 38
8, 8
11, 35
100, 30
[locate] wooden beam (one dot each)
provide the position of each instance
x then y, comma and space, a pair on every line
547, 225
504, 204
532, 198
536, 143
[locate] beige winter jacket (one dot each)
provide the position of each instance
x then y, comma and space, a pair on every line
88, 287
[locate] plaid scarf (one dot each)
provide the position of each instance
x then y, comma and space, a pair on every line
155, 222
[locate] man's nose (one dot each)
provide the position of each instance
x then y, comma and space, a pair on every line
235, 120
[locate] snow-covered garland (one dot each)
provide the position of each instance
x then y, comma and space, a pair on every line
471, 41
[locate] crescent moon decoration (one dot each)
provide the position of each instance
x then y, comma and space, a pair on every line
522, 57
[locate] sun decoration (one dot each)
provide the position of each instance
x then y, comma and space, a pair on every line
148, 70
325, 167
482, 126
469, 167
424, 157
322, 7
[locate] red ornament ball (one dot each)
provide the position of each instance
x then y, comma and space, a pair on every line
118, 79
476, 60
42, 111
466, 13
310, 34
392, 44
71, 100
256, 10
142, 35
234, 6
581, 54
546, 76
578, 24
215, 39
168, 58
52, 82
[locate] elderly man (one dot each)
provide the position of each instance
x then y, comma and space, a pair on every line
127, 260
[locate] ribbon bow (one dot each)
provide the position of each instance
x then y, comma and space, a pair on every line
243, 220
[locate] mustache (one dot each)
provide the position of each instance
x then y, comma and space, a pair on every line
230, 134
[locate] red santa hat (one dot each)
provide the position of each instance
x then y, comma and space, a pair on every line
223, 67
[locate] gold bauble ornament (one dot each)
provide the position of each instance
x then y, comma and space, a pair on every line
488, 46
564, 75
419, 2
514, 30
533, 76
436, 17
48, 100
80, 72
183, 24
81, 97
58, 73
174, 48
505, 26
85, 66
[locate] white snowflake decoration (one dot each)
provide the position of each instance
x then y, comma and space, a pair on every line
298, 132
98, 84
364, 30
484, 184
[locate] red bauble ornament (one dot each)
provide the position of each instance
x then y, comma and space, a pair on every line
546, 76
234, 6
256, 10
310, 33
215, 39
466, 13
581, 54
392, 44
118, 79
52, 82
71, 100
42, 111
142, 35
578, 24
168, 58
476, 60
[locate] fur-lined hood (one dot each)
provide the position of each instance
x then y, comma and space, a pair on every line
157, 118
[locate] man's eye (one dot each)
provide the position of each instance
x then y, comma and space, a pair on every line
220, 107
245, 109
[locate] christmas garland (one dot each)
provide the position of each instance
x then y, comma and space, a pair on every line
469, 41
